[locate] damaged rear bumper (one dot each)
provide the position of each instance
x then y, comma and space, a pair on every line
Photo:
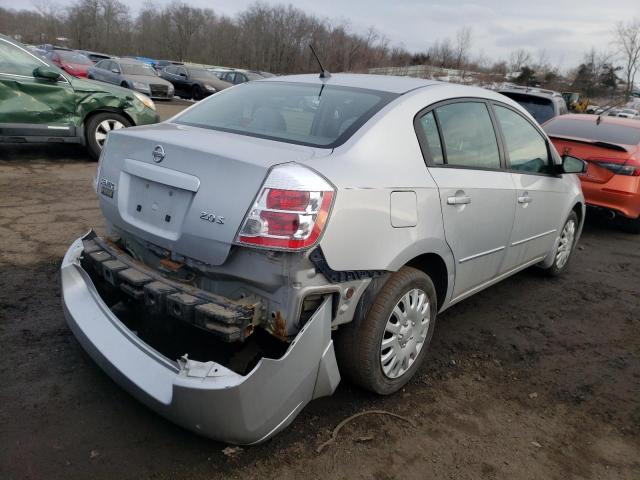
206, 398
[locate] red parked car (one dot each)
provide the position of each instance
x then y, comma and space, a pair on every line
72, 62
611, 148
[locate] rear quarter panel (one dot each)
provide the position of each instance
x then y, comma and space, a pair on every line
384, 156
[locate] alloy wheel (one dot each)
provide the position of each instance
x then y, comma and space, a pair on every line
566, 243
105, 127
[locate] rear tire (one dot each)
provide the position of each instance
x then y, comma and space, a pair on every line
564, 252
399, 318
97, 128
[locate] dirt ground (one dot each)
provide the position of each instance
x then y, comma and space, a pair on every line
534, 378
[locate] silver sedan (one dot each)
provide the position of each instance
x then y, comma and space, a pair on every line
289, 231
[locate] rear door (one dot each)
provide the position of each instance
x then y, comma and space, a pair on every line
477, 194
540, 193
29, 106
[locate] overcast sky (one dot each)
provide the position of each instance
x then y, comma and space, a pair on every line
563, 29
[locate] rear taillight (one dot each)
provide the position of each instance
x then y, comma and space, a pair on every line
627, 169
291, 210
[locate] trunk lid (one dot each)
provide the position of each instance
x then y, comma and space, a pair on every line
193, 199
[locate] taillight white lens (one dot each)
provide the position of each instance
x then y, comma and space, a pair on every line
291, 210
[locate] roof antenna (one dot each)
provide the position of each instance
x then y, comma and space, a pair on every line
323, 73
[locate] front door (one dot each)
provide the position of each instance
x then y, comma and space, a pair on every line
31, 106
477, 195
540, 193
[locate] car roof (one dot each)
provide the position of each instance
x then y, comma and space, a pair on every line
584, 117
385, 83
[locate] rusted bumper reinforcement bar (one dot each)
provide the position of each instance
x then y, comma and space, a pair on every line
205, 397
228, 319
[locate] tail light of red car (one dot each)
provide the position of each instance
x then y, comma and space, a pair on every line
628, 167
291, 210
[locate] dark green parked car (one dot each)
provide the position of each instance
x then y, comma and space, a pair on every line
41, 103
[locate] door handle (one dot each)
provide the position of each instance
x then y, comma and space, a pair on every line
459, 200
525, 199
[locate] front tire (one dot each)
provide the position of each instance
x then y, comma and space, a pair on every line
196, 93
384, 350
566, 245
97, 128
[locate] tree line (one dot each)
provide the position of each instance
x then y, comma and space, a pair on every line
275, 38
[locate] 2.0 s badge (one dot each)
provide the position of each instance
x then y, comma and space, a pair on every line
212, 217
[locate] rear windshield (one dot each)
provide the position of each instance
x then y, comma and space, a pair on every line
590, 130
289, 112
540, 108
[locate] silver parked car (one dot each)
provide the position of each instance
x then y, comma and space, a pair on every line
257, 251
132, 74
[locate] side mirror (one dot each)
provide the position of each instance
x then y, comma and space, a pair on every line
46, 73
115, 70
573, 165
183, 75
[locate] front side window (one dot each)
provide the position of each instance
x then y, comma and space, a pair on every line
307, 114
16, 61
468, 135
526, 148
430, 130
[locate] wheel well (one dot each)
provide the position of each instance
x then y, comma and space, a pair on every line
108, 110
434, 266
578, 209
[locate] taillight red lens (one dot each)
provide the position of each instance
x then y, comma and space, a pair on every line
292, 200
290, 211
280, 224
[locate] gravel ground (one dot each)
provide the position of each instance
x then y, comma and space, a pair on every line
534, 378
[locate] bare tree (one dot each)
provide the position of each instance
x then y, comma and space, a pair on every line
627, 40
519, 58
462, 47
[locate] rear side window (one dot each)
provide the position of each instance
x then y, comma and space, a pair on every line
306, 114
430, 130
468, 135
590, 130
526, 148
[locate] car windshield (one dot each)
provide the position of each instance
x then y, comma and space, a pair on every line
75, 57
315, 115
202, 74
589, 130
137, 69
540, 108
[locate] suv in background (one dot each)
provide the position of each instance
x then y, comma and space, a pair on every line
542, 104
41, 103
